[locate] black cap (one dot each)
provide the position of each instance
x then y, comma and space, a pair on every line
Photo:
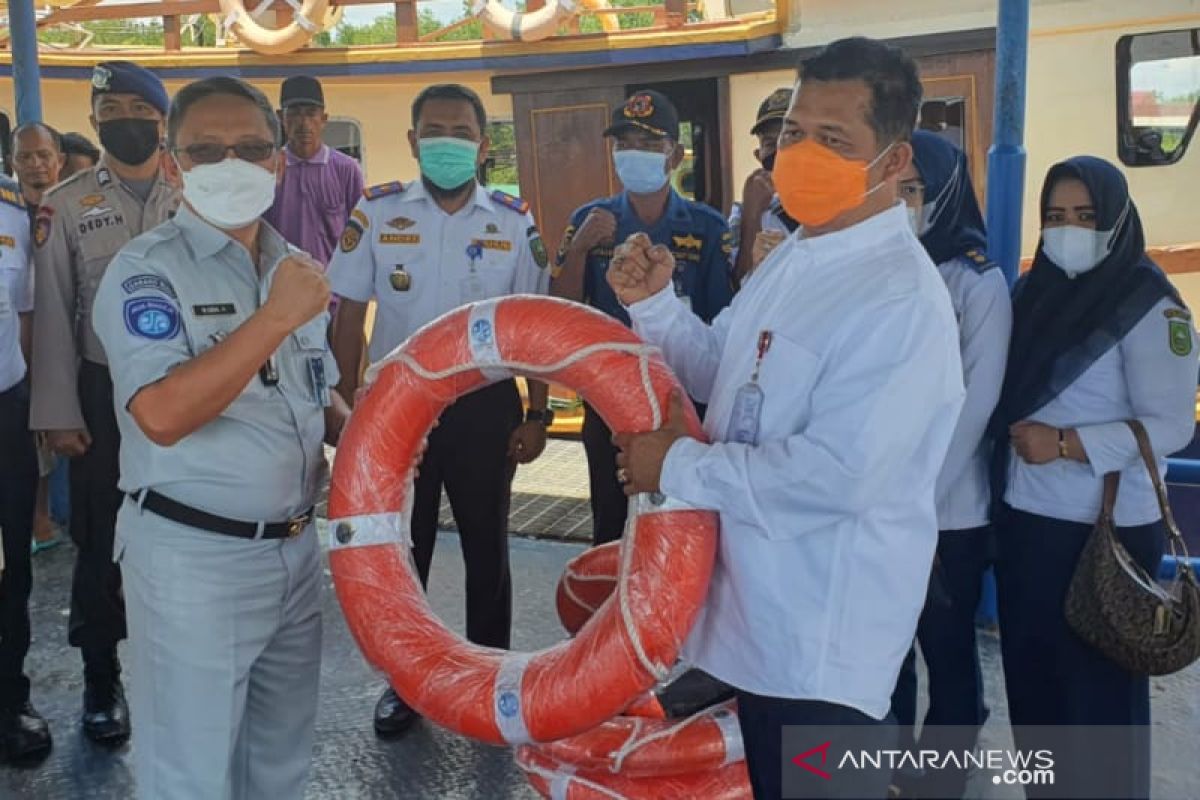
301, 90
646, 110
774, 107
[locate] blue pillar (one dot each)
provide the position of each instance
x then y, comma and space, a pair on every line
1006, 159
26, 78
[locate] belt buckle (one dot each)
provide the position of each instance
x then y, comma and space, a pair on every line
296, 525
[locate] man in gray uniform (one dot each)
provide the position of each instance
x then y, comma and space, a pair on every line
81, 225
215, 330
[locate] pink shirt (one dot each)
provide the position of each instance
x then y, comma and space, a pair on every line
315, 199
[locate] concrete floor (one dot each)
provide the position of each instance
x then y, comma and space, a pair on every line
350, 763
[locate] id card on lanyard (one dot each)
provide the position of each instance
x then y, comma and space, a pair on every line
471, 288
746, 417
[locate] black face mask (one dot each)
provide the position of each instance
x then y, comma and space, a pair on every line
769, 163
130, 141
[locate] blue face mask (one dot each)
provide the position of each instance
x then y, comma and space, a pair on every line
448, 162
641, 171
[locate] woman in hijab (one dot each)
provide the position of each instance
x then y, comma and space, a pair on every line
1099, 336
945, 216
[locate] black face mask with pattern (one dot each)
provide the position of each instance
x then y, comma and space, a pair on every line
130, 140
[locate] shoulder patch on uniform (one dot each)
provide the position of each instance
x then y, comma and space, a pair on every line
560, 258
351, 236
978, 261
12, 198
537, 247
1180, 334
1177, 313
151, 318
41, 227
148, 283
383, 190
508, 201
362, 219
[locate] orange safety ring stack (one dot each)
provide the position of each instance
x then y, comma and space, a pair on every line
639, 755
665, 559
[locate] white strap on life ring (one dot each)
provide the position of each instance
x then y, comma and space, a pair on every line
523, 27
267, 41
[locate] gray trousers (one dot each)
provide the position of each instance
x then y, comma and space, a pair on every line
225, 635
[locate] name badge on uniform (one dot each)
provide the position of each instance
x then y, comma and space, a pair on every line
213, 309
748, 403
316, 376
471, 287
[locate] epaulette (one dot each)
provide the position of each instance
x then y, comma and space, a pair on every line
508, 201
978, 261
11, 197
59, 187
140, 246
383, 190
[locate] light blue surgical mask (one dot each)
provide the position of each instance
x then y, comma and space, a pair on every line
448, 162
641, 171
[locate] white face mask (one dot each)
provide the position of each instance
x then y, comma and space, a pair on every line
921, 219
230, 194
1076, 250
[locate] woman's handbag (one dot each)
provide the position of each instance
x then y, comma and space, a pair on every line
1114, 605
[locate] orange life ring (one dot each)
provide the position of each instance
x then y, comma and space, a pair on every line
644, 748
666, 555
563, 782
587, 581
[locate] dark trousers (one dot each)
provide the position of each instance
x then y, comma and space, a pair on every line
97, 620
762, 719
610, 506
468, 454
18, 491
1051, 676
946, 633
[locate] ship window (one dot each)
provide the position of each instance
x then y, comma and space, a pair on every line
344, 135
1158, 85
499, 171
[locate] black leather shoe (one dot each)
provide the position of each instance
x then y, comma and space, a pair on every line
393, 716
24, 735
105, 713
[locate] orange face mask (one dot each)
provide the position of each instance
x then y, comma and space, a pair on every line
815, 184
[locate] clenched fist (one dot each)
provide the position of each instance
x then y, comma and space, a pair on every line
639, 269
599, 227
299, 291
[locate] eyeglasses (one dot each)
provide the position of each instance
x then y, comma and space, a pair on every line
213, 152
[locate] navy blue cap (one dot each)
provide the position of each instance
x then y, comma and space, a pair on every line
125, 77
646, 110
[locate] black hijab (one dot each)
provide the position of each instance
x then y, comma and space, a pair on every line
1062, 325
957, 226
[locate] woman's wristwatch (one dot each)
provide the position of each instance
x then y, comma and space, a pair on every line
545, 416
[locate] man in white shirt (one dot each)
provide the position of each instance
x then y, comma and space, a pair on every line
829, 423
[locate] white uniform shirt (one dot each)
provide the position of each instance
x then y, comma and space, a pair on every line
16, 287
1141, 377
403, 250
983, 307
828, 525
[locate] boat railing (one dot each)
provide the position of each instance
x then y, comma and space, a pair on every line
183, 30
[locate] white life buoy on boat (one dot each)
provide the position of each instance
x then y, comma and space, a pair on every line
523, 27
308, 19
540, 24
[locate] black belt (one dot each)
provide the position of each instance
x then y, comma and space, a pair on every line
193, 517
